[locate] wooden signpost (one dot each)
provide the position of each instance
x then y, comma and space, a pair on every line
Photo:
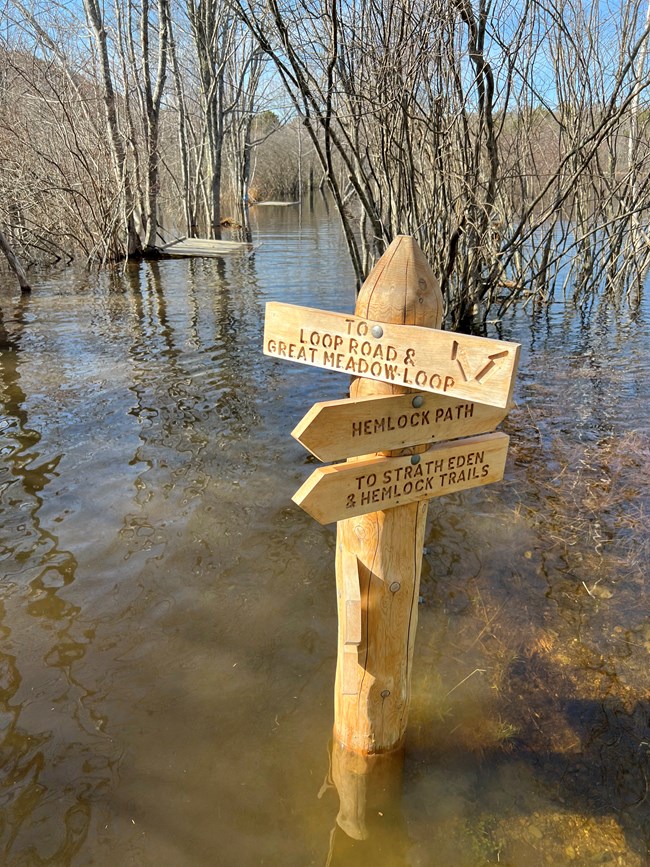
417, 425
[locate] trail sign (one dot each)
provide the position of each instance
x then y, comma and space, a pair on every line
338, 429
342, 491
411, 384
456, 365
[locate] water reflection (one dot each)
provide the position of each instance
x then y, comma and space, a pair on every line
168, 618
37, 570
369, 791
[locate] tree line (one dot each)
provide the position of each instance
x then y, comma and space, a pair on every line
113, 115
511, 139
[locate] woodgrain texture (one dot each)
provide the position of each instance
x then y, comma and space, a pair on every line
202, 247
337, 429
342, 491
386, 545
457, 365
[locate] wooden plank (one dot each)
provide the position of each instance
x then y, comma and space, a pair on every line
351, 599
350, 621
203, 247
338, 429
171, 243
349, 669
457, 365
344, 490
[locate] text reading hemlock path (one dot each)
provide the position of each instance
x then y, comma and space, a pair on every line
421, 418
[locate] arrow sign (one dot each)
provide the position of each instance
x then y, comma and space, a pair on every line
456, 365
338, 429
345, 490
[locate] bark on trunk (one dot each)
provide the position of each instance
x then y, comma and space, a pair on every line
14, 264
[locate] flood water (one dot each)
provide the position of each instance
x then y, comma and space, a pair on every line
168, 616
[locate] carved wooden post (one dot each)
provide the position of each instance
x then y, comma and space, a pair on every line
442, 441
382, 552
380, 555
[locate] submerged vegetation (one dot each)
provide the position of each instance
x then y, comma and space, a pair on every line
550, 649
510, 139
169, 620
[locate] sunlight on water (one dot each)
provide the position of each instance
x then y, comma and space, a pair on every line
168, 616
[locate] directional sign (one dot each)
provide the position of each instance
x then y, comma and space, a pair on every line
456, 365
338, 429
344, 490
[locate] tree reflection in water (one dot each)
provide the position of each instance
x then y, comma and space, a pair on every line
168, 619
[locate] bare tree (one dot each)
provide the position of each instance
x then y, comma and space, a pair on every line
95, 16
57, 182
511, 139
429, 116
14, 263
248, 127
183, 127
143, 41
214, 30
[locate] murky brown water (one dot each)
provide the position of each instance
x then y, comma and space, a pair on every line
168, 617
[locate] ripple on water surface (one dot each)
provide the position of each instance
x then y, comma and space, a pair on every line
168, 616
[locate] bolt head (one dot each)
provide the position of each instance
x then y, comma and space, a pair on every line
377, 331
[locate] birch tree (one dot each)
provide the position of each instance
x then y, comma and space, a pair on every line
95, 17
143, 46
214, 30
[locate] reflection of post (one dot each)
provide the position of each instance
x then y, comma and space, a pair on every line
382, 552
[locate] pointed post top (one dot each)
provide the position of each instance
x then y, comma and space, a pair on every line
401, 288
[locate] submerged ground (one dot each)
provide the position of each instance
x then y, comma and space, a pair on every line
168, 616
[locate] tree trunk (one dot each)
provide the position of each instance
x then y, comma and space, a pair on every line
14, 264
94, 15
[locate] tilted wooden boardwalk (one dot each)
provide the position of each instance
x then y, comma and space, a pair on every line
203, 247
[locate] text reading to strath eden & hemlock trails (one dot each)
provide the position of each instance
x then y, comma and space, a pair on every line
335, 492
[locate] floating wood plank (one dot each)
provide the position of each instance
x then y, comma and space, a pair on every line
338, 429
359, 487
457, 365
203, 247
